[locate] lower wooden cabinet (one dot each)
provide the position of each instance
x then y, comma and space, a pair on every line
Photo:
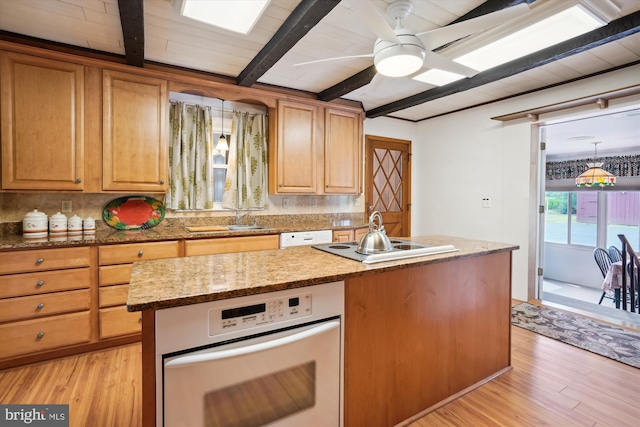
349, 235
231, 244
33, 336
117, 321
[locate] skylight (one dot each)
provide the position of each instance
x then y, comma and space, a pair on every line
557, 28
233, 15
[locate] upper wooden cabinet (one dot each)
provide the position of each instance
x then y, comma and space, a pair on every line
342, 152
293, 161
135, 123
316, 151
42, 119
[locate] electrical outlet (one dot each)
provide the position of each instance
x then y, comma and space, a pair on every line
66, 206
355, 202
486, 202
314, 203
285, 203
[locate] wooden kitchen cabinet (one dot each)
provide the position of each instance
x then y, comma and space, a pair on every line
317, 150
342, 152
293, 161
135, 132
45, 300
349, 235
231, 244
113, 277
42, 123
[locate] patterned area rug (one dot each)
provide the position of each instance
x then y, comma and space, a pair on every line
600, 338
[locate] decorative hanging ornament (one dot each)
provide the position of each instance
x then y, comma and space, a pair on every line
595, 176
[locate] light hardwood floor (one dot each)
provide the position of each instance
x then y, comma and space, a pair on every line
551, 384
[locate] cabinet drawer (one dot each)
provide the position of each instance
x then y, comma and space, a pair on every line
33, 336
17, 285
113, 295
118, 321
230, 244
115, 274
120, 254
43, 259
23, 308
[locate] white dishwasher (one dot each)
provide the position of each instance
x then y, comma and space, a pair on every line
299, 238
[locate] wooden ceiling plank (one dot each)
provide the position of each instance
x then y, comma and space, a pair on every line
615, 30
363, 78
132, 20
303, 18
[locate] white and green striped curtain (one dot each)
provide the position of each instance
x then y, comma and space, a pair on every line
246, 182
190, 157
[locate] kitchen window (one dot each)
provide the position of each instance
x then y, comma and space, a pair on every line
203, 177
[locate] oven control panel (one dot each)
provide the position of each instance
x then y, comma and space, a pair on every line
239, 317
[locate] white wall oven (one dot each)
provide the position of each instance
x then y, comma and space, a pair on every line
272, 359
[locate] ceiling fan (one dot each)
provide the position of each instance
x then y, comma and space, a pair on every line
400, 51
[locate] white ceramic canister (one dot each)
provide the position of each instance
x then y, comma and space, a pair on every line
57, 224
89, 225
34, 224
74, 225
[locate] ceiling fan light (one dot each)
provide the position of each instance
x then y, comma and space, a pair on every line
399, 61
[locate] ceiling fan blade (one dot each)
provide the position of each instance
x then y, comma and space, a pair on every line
434, 60
374, 20
337, 58
441, 36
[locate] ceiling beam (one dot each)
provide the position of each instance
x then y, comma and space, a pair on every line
615, 30
303, 18
364, 77
132, 22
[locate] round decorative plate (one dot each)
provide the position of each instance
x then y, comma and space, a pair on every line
133, 213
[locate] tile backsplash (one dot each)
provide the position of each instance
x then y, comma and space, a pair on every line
14, 206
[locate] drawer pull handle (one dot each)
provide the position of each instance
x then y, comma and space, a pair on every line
39, 260
140, 253
40, 335
40, 283
40, 306
78, 180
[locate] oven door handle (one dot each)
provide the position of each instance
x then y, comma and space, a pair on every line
254, 348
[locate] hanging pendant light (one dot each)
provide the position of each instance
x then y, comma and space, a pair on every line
595, 176
222, 144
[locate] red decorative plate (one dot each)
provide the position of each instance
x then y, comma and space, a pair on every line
133, 213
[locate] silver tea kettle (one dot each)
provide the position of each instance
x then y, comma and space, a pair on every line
376, 240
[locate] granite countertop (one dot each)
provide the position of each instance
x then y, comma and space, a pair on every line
106, 235
173, 282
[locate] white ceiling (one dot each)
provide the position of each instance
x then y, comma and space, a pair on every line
175, 40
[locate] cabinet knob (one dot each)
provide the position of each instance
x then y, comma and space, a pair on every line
162, 181
326, 186
40, 335
39, 260
140, 319
40, 306
140, 253
279, 185
40, 283
78, 180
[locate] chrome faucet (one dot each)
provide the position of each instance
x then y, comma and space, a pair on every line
239, 217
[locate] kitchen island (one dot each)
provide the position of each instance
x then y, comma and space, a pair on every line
418, 332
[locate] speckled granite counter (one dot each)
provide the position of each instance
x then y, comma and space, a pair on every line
105, 235
182, 281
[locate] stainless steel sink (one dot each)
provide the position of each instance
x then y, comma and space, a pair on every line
245, 227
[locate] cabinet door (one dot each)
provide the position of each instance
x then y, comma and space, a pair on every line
343, 235
294, 167
135, 124
41, 117
342, 152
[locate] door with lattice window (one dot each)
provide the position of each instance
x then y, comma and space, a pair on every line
388, 177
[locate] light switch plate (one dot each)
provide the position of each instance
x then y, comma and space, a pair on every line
66, 206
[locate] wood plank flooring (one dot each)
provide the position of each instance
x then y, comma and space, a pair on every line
551, 384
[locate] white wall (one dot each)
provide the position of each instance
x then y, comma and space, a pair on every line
463, 157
